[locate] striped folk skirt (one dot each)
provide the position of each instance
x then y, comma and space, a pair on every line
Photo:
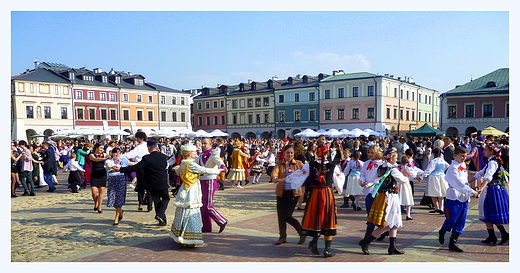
320, 215
494, 205
386, 210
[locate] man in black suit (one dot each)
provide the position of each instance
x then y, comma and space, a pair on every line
448, 150
155, 178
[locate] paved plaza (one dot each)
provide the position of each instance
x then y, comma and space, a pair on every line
63, 227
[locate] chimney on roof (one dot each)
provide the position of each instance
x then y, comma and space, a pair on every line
98, 70
112, 72
36, 64
130, 73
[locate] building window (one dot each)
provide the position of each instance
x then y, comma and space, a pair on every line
470, 111
370, 112
174, 116
139, 98
199, 121
126, 114
281, 116
266, 118
79, 113
139, 115
401, 114
327, 94
150, 99
215, 120
266, 101
150, 115
103, 114
118, 80
174, 100
388, 113
222, 119
419, 116
139, 81
487, 111
258, 120
395, 113
312, 96
297, 97
183, 116
312, 115
90, 95
47, 111
258, 102
163, 116
297, 116
207, 105
29, 111
183, 101
355, 91
125, 97
234, 104
413, 114
163, 100
79, 94
395, 92
113, 114
104, 79
92, 114
234, 118
222, 104
281, 98
341, 113
112, 97
420, 97
327, 115
407, 114
355, 113
249, 103
250, 119
199, 105
341, 93
215, 104
208, 121
370, 91
452, 111
413, 96
103, 96
407, 94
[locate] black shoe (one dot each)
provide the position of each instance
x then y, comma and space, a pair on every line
328, 253
313, 246
96, 209
115, 224
504, 234
25, 193
365, 242
222, 227
162, 222
32, 194
393, 248
434, 211
442, 232
453, 240
14, 195
121, 216
409, 218
441, 212
50, 190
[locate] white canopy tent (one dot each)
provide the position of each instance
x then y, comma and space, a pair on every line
307, 133
218, 133
333, 133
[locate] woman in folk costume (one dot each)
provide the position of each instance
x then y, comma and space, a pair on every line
353, 172
436, 185
320, 217
187, 225
368, 177
237, 172
477, 162
406, 193
494, 200
385, 212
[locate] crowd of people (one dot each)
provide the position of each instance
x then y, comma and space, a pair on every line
373, 174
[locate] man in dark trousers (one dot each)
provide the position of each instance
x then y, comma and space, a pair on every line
154, 167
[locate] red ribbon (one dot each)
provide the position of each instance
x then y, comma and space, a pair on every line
462, 168
372, 164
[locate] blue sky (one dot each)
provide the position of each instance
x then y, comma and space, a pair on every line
190, 49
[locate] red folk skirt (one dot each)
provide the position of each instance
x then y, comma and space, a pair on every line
320, 215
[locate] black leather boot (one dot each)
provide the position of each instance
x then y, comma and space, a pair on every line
345, 202
369, 231
504, 234
327, 253
492, 238
442, 232
392, 249
453, 239
313, 245
365, 242
382, 236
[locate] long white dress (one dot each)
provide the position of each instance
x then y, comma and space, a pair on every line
353, 172
405, 192
187, 223
436, 185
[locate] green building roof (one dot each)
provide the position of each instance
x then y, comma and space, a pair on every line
496, 82
350, 76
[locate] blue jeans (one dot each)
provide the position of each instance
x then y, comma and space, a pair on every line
27, 177
48, 179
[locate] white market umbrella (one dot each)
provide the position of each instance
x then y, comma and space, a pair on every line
372, 132
218, 133
185, 132
307, 133
321, 131
65, 132
333, 133
344, 132
202, 133
164, 132
115, 132
357, 133
88, 131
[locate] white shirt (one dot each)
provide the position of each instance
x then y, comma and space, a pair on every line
488, 172
137, 153
73, 165
369, 174
109, 163
457, 178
